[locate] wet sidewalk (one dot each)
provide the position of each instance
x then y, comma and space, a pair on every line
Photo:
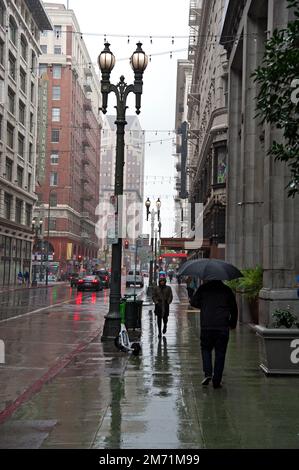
104, 399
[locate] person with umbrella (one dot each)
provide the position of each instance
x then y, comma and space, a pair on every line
218, 312
162, 298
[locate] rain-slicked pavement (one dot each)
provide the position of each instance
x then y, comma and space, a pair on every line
62, 388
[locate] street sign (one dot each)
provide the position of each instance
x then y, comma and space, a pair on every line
112, 230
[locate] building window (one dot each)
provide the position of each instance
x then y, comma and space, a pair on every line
22, 112
57, 50
29, 182
42, 69
53, 199
13, 30
55, 136
24, 47
1, 121
12, 66
2, 14
52, 224
7, 205
10, 135
56, 92
220, 165
20, 173
23, 80
2, 57
31, 123
53, 178
57, 71
32, 90
44, 33
11, 101
8, 169
30, 152
33, 62
28, 215
55, 114
54, 158
44, 48
19, 207
57, 31
21, 145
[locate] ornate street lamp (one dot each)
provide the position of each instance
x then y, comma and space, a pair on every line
147, 205
37, 229
158, 205
106, 61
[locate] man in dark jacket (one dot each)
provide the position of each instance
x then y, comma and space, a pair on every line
218, 314
162, 298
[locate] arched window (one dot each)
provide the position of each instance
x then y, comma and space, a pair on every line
24, 47
13, 30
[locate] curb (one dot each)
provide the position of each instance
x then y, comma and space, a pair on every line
2, 291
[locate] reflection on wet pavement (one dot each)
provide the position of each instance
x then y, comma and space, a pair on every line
107, 399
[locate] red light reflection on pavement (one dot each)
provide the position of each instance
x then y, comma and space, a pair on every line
76, 317
93, 298
79, 298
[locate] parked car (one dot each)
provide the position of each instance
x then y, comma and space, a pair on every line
74, 279
134, 278
90, 282
52, 278
104, 276
144, 273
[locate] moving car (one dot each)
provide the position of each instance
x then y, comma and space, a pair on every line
134, 278
89, 282
104, 276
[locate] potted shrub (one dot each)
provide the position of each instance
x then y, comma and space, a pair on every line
280, 343
249, 287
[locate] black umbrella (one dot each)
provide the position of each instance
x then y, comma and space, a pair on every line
209, 269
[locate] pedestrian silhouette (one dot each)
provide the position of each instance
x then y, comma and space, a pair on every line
218, 314
162, 298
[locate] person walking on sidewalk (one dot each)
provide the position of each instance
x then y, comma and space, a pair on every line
162, 298
27, 279
20, 278
218, 314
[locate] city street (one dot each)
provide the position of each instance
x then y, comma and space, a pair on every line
63, 388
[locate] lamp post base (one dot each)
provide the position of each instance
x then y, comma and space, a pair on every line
111, 327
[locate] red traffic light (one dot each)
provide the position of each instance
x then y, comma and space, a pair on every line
126, 244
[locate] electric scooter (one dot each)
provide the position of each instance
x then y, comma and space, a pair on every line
122, 340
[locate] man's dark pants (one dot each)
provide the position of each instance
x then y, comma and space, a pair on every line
214, 339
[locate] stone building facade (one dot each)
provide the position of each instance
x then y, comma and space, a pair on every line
68, 170
207, 118
21, 22
133, 184
262, 222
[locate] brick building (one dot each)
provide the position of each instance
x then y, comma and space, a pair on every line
21, 22
69, 145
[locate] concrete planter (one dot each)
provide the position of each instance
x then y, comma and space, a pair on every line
279, 350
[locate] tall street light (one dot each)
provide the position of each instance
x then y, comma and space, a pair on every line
37, 228
152, 269
106, 61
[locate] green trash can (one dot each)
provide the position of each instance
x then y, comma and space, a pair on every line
133, 314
